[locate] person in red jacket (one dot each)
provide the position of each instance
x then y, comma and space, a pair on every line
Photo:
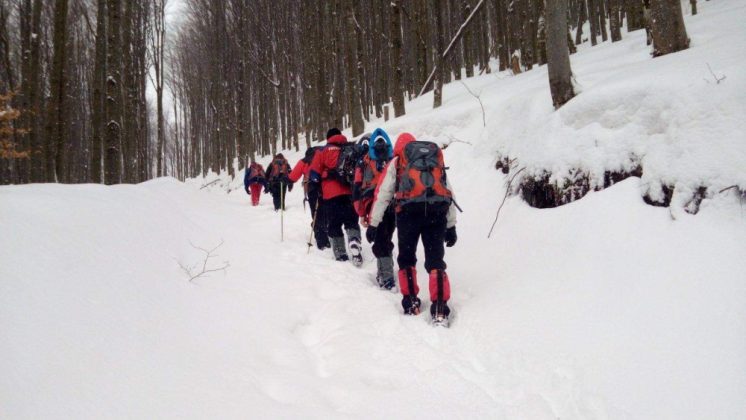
313, 195
367, 174
336, 194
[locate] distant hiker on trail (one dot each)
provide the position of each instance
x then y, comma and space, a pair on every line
415, 182
277, 178
312, 191
253, 180
367, 175
336, 192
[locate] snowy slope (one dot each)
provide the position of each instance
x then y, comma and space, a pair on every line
603, 308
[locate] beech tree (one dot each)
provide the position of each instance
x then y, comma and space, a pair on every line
667, 24
558, 55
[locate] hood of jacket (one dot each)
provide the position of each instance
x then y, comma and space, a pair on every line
401, 142
380, 133
337, 139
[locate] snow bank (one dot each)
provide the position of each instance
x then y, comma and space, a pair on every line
668, 115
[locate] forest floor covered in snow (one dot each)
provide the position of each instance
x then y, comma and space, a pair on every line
602, 308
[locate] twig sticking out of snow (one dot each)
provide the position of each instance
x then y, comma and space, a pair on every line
453, 140
484, 118
717, 79
727, 188
191, 272
209, 183
507, 191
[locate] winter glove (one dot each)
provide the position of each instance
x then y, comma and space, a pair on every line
266, 190
451, 236
290, 186
370, 234
314, 187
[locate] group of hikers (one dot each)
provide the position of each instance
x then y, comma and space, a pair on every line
383, 187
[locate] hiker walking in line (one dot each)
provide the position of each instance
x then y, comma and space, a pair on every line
312, 191
415, 182
336, 192
367, 176
253, 180
277, 178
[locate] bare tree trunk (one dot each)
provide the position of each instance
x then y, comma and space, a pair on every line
98, 106
438, 53
113, 156
55, 145
354, 105
395, 38
558, 56
667, 21
614, 24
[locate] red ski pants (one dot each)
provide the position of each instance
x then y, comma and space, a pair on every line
256, 193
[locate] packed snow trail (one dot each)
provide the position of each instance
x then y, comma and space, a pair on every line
99, 319
604, 308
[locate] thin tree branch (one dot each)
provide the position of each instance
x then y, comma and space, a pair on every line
208, 254
507, 191
484, 118
455, 39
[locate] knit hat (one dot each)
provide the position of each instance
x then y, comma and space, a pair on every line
332, 132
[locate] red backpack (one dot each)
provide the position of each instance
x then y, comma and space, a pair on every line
256, 171
421, 175
279, 167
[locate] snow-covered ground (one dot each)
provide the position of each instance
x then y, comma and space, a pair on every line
603, 308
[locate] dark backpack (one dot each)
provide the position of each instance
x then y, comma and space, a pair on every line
421, 175
347, 160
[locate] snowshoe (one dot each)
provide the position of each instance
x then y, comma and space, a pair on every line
356, 251
387, 284
440, 313
411, 305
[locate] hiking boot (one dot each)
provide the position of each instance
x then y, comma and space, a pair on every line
339, 249
385, 274
439, 312
411, 305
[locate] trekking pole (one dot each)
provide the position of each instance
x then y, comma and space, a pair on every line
313, 227
282, 211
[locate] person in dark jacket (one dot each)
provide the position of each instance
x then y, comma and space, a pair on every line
277, 179
367, 175
336, 194
312, 191
253, 180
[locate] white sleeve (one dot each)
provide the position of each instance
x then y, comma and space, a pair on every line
384, 193
452, 210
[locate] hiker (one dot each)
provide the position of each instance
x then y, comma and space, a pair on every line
336, 193
277, 178
367, 175
313, 196
253, 180
415, 182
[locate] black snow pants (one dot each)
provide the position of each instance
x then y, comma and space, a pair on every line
339, 212
316, 203
383, 245
278, 189
429, 222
